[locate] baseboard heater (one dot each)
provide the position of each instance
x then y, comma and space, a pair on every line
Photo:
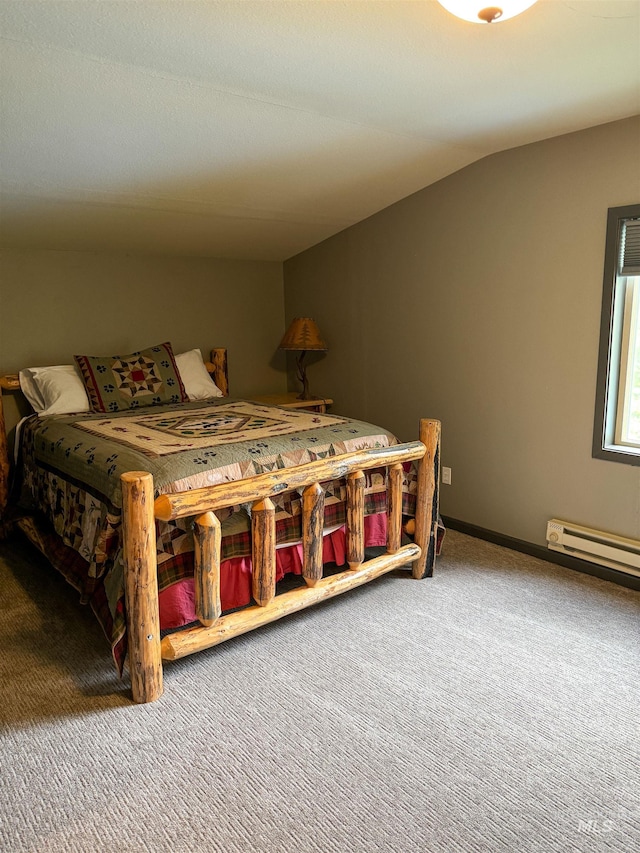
605, 549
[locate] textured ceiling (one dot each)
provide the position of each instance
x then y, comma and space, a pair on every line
256, 129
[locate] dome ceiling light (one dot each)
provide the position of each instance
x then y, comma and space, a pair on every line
479, 12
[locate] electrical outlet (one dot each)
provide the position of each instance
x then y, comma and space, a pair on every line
446, 476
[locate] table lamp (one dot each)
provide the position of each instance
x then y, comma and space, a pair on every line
301, 336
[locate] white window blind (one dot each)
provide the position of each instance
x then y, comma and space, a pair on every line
630, 247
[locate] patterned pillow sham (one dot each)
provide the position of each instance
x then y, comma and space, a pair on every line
115, 383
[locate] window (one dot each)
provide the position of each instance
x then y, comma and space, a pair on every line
617, 423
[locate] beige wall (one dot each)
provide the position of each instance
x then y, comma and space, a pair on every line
55, 304
477, 301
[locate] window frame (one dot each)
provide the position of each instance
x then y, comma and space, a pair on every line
606, 422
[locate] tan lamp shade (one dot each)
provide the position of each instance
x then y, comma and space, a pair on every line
303, 334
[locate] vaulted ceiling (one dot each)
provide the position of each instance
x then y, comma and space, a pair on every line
257, 128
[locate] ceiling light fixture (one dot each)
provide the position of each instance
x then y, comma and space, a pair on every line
478, 13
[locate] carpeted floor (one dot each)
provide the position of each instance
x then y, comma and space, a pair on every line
494, 707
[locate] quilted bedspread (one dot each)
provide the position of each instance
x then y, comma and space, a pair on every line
189, 445
71, 467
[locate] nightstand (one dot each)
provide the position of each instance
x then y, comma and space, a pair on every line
291, 401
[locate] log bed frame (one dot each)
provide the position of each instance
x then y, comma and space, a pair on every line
147, 649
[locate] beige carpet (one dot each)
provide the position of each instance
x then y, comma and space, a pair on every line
494, 707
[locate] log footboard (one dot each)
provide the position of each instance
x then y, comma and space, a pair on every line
146, 650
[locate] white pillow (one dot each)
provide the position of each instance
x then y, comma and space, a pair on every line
56, 390
195, 376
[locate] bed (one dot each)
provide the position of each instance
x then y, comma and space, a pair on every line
179, 518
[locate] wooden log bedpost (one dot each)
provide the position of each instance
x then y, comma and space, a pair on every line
220, 372
141, 586
8, 382
428, 499
4, 468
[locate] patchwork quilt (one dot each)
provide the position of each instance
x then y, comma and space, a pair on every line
71, 467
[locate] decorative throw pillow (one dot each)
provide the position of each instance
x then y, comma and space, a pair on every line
119, 382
